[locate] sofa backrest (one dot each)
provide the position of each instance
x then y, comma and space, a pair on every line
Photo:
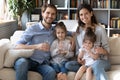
71, 25
114, 56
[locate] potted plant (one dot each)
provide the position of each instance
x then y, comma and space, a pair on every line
18, 7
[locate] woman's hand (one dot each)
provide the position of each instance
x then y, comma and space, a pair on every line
100, 50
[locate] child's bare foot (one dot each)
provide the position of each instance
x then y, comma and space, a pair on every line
64, 76
59, 76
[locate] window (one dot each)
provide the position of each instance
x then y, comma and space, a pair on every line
4, 10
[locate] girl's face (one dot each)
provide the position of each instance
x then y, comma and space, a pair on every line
88, 44
85, 16
60, 33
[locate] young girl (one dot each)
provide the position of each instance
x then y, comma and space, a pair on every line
61, 51
87, 55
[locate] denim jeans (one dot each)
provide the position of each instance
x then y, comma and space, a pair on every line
22, 65
59, 67
72, 66
99, 68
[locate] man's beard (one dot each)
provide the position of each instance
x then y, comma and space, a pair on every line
47, 22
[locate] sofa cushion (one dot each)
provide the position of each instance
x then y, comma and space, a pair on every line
115, 50
71, 25
4, 46
14, 54
9, 74
16, 36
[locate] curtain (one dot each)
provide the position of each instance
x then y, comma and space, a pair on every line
4, 10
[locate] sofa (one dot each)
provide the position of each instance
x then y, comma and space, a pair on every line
8, 55
7, 28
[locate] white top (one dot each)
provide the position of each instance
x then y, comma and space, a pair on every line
88, 59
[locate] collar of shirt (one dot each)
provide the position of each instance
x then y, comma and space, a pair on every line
43, 28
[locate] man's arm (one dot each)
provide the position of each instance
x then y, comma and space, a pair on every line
40, 46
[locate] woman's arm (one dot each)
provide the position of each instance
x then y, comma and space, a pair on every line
93, 55
102, 38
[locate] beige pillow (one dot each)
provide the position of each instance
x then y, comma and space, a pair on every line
114, 43
114, 56
14, 54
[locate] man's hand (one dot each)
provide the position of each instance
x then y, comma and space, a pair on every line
43, 46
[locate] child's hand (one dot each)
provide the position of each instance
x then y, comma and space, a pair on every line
63, 51
81, 61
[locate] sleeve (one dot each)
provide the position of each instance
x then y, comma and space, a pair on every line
70, 53
104, 41
54, 49
102, 37
26, 36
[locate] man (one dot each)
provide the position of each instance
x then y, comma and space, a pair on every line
35, 37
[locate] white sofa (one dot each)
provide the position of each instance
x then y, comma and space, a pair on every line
8, 73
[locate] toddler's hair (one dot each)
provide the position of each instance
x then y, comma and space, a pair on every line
89, 35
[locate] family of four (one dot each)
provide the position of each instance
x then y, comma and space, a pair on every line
58, 51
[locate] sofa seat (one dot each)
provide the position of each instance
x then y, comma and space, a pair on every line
9, 74
113, 74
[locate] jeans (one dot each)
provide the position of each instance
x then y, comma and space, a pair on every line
99, 68
22, 65
72, 66
59, 67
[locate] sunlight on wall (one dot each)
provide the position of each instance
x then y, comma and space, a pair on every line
116, 77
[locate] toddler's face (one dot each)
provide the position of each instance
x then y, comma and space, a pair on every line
87, 44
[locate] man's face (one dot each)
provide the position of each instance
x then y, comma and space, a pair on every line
49, 15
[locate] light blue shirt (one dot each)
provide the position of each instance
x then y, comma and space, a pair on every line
36, 34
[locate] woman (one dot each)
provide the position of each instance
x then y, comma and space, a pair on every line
86, 18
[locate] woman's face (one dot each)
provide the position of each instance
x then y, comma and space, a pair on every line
85, 16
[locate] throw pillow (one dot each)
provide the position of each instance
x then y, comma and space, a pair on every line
114, 55
14, 54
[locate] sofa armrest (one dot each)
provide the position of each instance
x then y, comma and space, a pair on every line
4, 46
